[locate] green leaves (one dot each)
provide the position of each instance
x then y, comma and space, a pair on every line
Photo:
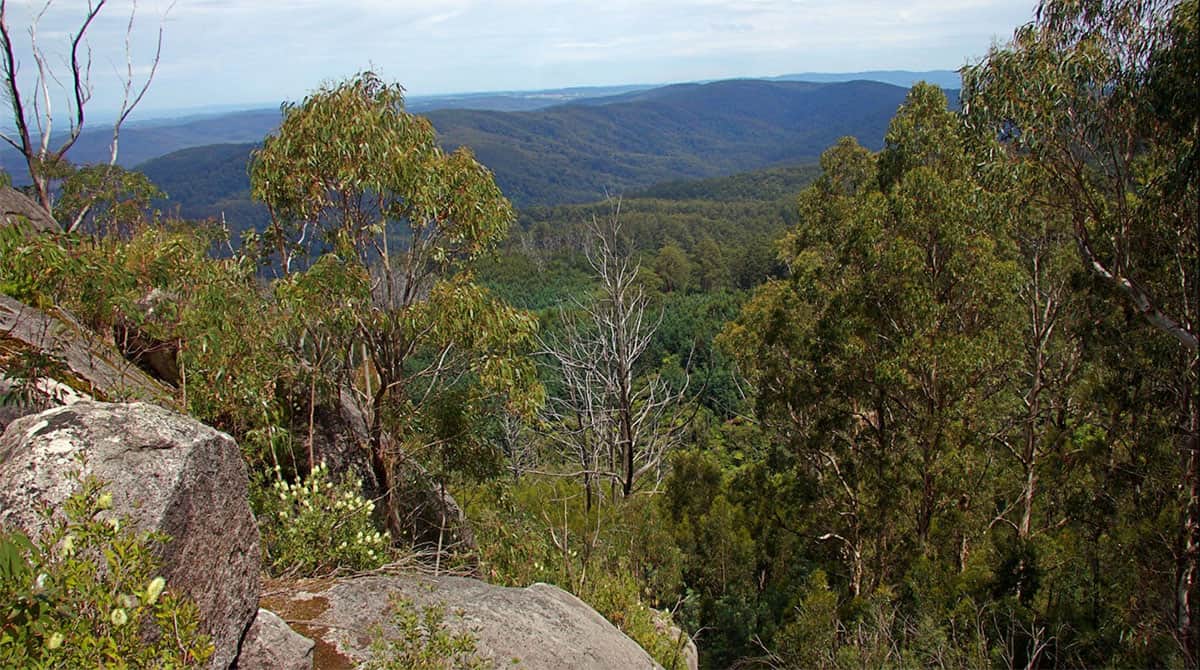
350, 160
85, 593
314, 527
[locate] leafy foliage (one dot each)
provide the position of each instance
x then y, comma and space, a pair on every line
920, 432
422, 642
106, 200
86, 594
618, 558
315, 526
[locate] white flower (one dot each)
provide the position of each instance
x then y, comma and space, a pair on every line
154, 589
118, 617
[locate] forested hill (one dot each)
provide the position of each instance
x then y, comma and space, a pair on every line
579, 152
145, 141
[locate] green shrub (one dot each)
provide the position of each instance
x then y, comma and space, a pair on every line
227, 328
424, 642
86, 594
618, 557
316, 526
616, 597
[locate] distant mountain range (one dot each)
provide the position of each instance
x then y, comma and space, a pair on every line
149, 138
603, 140
527, 101
947, 79
577, 152
515, 101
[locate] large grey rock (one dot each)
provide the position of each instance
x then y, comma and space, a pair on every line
686, 656
540, 627
167, 473
18, 208
271, 645
80, 361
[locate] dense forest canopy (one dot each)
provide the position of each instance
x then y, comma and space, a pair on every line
931, 405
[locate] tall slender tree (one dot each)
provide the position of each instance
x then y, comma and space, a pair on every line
351, 173
1099, 99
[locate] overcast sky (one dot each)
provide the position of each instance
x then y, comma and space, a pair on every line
242, 52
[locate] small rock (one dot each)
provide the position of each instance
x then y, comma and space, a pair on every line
271, 644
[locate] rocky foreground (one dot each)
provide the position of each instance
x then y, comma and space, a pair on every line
170, 473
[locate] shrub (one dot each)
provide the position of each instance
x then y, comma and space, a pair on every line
424, 642
616, 597
316, 526
86, 594
618, 557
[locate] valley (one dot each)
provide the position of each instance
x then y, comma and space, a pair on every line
889, 368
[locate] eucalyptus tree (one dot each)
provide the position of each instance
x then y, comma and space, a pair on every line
1099, 100
351, 173
880, 361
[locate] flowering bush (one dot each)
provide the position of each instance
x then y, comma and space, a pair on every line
316, 526
86, 594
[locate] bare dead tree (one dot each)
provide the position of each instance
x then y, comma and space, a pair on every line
614, 423
34, 118
584, 426
519, 449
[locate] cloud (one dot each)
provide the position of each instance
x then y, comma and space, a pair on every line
218, 51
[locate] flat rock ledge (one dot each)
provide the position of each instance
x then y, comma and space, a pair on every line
540, 627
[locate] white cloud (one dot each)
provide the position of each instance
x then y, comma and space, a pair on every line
226, 51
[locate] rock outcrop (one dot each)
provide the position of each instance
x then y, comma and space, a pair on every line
18, 208
72, 363
157, 357
540, 627
167, 473
432, 517
339, 436
271, 645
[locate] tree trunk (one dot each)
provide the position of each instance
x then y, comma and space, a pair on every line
1189, 553
380, 467
627, 446
1026, 526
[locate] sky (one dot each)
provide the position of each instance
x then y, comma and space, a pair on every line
263, 52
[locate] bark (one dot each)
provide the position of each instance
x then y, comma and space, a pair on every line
1189, 553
